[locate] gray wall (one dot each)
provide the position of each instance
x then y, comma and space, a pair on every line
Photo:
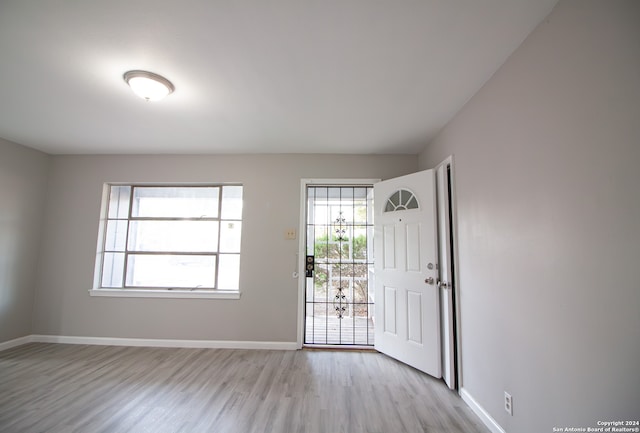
547, 162
267, 310
23, 175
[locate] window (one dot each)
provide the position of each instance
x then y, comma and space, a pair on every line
401, 200
171, 238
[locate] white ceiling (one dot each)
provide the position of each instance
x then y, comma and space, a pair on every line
252, 76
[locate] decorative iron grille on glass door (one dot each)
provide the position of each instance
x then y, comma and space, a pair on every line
339, 292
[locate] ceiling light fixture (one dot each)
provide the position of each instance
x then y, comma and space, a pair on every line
147, 85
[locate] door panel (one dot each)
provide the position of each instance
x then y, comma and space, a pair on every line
389, 311
406, 254
414, 319
413, 247
388, 246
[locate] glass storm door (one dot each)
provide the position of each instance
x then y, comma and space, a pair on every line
339, 265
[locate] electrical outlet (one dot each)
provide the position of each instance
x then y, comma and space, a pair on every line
290, 234
508, 403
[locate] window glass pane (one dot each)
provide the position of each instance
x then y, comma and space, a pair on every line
116, 237
360, 243
320, 213
403, 197
360, 212
119, 201
346, 205
230, 236
174, 236
112, 269
175, 202
346, 214
229, 272
173, 271
395, 198
321, 282
360, 206
389, 207
337, 216
360, 193
333, 194
231, 202
320, 192
360, 292
320, 236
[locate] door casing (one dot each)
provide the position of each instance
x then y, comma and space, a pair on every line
450, 161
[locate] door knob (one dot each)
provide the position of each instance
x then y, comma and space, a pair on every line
429, 280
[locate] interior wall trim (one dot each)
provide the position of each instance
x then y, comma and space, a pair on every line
151, 342
481, 412
5, 345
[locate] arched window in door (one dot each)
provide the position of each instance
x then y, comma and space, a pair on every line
402, 199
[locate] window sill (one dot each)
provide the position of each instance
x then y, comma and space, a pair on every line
182, 294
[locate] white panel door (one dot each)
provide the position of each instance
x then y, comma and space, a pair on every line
407, 302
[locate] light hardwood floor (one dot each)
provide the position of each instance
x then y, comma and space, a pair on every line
58, 388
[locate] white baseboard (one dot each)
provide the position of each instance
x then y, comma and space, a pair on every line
16, 342
151, 342
482, 414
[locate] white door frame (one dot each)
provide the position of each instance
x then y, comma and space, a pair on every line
302, 240
456, 273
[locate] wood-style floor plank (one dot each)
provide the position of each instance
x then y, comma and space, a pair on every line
58, 388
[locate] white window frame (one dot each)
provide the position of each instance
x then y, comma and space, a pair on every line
144, 292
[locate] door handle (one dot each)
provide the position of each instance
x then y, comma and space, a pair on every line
443, 284
429, 280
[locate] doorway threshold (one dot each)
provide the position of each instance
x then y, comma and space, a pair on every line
339, 347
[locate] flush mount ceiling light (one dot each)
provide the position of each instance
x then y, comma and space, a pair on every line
147, 85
